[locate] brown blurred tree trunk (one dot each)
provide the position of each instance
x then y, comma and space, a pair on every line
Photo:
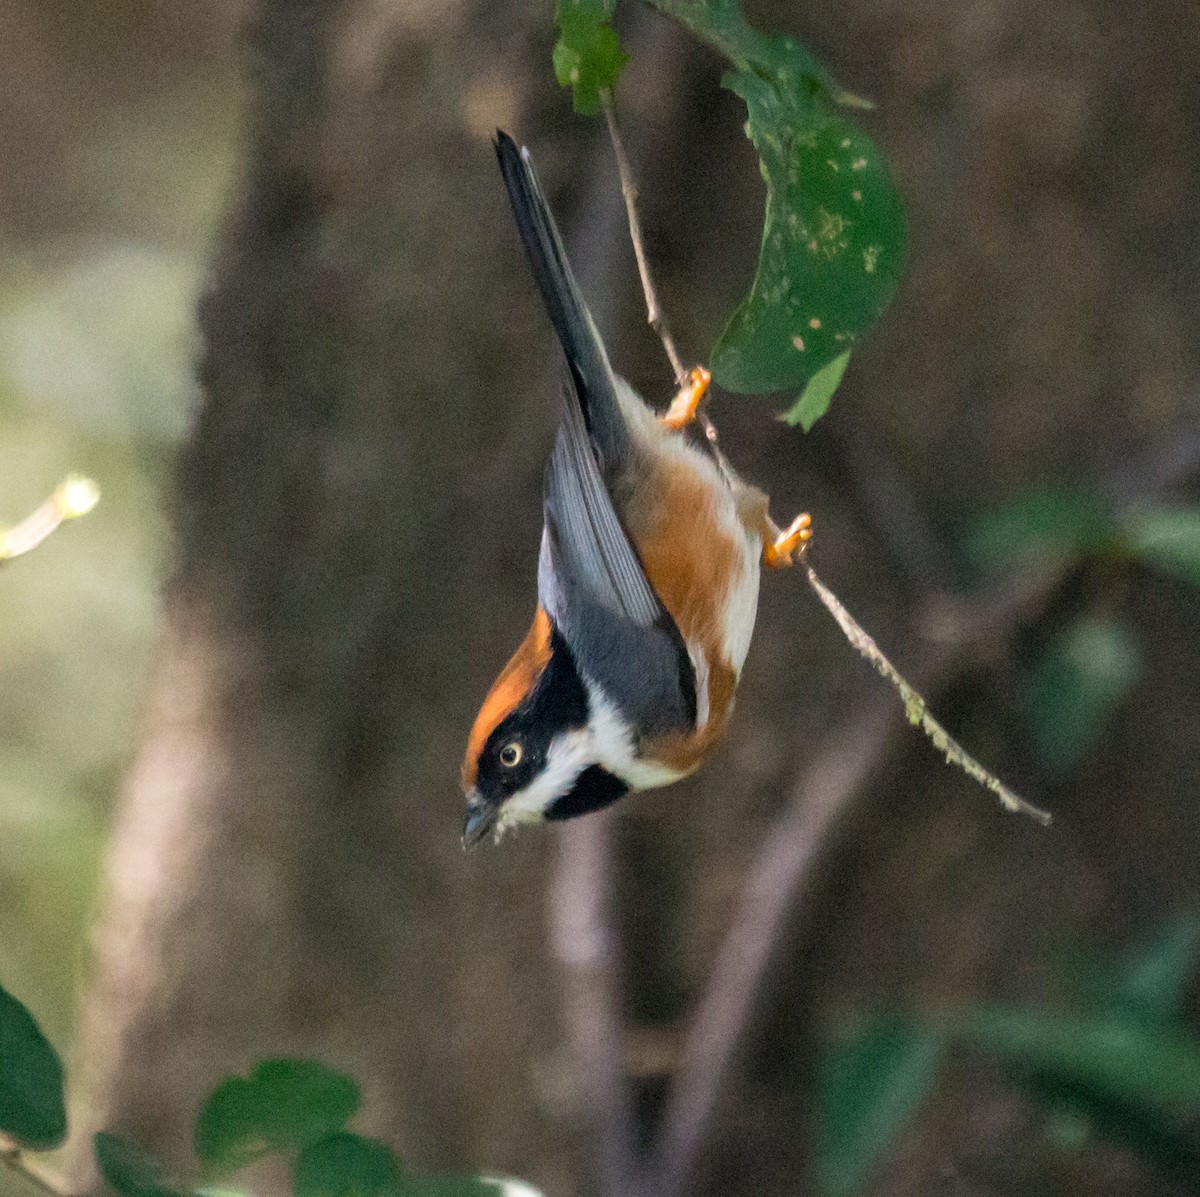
286, 874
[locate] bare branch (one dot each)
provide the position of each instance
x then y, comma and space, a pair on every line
915, 707
586, 948
19, 1162
74, 497
845, 759
654, 315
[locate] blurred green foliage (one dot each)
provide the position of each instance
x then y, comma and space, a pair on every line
1051, 524
1114, 1057
128, 1169
1167, 539
31, 1080
1122, 1064
1076, 685
1079, 679
345, 1165
872, 1080
283, 1104
96, 346
294, 1107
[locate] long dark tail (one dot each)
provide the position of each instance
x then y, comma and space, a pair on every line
586, 358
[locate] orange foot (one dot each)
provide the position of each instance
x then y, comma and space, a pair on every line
683, 407
777, 553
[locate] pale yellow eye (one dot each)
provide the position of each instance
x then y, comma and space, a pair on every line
511, 754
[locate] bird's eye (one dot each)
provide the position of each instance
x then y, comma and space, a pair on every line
511, 754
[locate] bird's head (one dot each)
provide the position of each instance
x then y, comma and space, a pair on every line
532, 753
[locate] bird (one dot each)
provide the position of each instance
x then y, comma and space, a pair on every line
647, 581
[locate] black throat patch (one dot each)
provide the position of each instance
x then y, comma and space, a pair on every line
594, 789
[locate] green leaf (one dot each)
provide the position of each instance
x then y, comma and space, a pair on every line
128, 1169
31, 1080
284, 1104
346, 1165
835, 235
1147, 984
721, 24
587, 57
1076, 686
1050, 523
870, 1085
813, 403
833, 246
1114, 1057
1167, 539
1152, 981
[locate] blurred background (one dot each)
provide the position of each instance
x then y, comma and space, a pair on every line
259, 279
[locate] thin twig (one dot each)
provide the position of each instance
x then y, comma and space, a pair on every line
74, 497
19, 1162
586, 948
654, 314
845, 759
915, 707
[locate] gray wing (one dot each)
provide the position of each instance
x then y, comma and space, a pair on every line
592, 585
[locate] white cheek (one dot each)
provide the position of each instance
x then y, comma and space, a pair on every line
567, 757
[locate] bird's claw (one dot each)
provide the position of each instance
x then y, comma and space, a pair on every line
683, 407
777, 552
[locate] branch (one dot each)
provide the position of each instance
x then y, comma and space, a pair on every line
654, 316
586, 948
915, 707
74, 497
844, 760
19, 1162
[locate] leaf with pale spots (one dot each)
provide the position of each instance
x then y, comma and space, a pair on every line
834, 236
833, 246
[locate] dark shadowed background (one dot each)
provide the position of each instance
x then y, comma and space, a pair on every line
259, 278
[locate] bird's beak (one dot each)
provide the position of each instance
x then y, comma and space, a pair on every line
481, 818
